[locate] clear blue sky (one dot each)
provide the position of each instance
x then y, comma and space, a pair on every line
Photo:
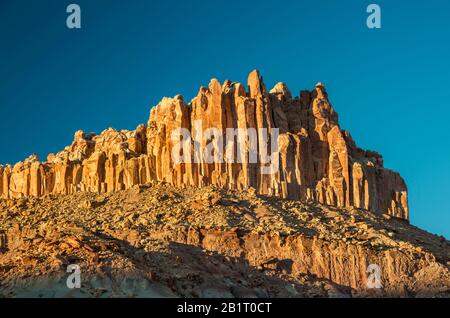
390, 87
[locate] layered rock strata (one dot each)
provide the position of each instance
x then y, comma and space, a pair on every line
317, 160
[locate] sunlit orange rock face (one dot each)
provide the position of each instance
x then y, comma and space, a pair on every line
317, 160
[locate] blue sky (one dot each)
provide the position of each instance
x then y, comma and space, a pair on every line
390, 86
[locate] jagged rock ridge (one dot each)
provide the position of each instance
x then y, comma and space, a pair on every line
318, 160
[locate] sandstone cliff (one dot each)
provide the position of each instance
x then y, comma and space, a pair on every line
318, 161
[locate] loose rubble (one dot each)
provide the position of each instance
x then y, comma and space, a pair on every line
156, 240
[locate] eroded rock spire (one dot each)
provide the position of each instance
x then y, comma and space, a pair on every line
317, 160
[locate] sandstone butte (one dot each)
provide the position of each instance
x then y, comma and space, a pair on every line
319, 161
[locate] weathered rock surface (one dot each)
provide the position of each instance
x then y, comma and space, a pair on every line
158, 240
317, 160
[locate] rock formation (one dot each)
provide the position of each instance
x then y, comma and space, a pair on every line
317, 160
158, 240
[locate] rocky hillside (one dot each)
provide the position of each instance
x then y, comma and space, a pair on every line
156, 240
326, 218
316, 160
